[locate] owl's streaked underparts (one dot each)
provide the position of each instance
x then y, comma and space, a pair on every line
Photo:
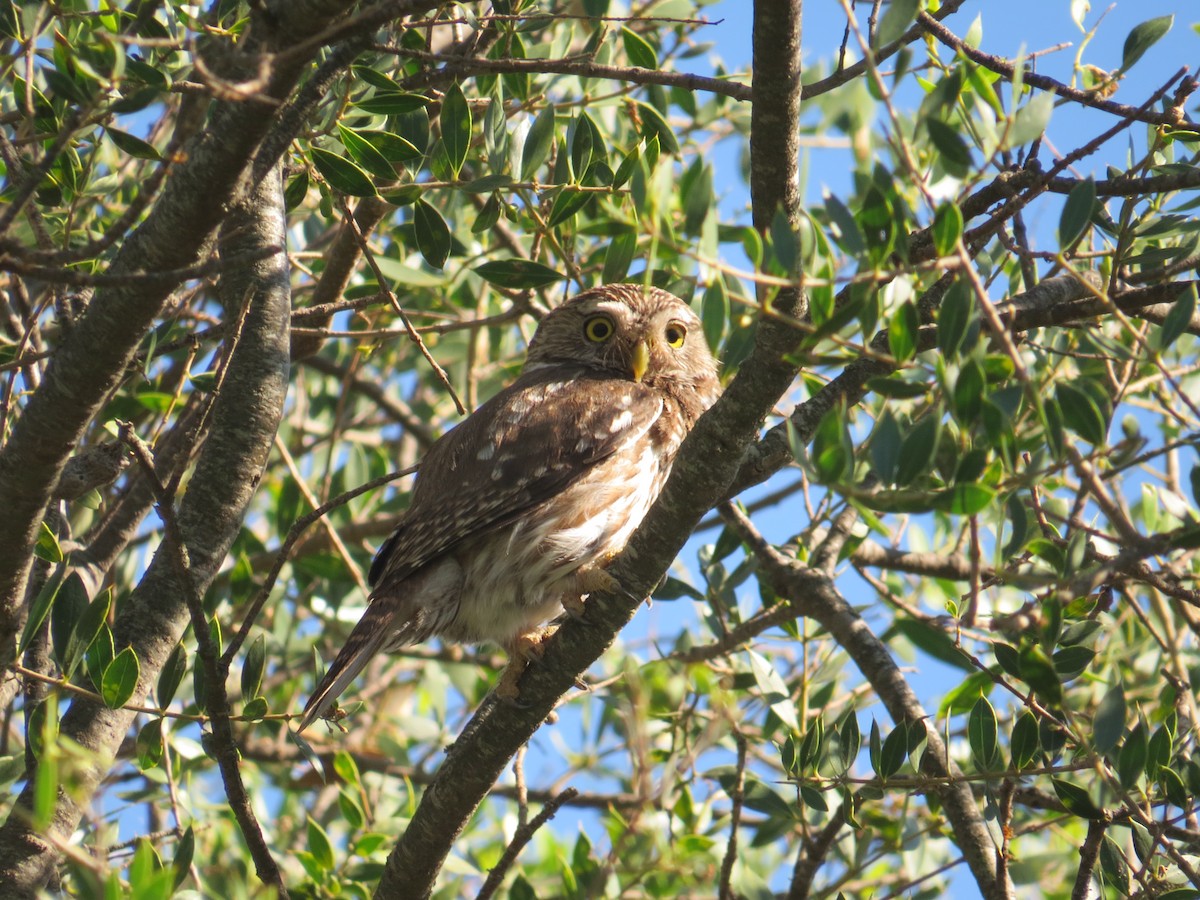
518, 509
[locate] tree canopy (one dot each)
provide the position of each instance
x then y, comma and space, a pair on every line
926, 611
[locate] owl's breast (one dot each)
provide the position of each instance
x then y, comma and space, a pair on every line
516, 578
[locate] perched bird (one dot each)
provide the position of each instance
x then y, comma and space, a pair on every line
517, 510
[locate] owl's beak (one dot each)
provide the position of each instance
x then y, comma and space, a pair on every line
641, 360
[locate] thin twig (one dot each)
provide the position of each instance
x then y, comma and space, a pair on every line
520, 838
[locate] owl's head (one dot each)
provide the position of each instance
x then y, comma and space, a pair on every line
630, 331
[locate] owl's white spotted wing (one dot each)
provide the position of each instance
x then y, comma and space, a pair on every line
521, 448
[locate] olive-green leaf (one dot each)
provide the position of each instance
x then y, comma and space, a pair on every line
1142, 38
47, 547
1076, 213
518, 274
618, 258
342, 174
538, 142
1030, 121
393, 103
366, 154
171, 676
1109, 723
253, 667
896, 19
1024, 744
1076, 799
947, 228
455, 120
981, 734
638, 49
71, 606
903, 331
132, 145
432, 234
120, 679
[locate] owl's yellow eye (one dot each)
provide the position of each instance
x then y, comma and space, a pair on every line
598, 329
675, 334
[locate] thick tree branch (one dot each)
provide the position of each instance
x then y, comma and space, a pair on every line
98, 349
706, 463
245, 418
813, 594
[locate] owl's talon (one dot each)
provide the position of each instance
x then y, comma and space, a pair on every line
574, 606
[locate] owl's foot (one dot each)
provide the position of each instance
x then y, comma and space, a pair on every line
588, 580
524, 649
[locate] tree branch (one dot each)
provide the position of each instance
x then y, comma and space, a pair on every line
700, 477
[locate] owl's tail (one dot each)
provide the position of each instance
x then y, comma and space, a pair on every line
366, 639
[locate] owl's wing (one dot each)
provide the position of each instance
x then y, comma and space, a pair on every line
522, 447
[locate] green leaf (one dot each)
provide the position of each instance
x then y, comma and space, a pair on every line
968, 393
366, 154
773, 690
538, 142
885, 447
256, 708
90, 624
346, 768
70, 608
432, 233
171, 676
41, 605
320, 846
1081, 414
832, 453
1176, 322
47, 547
134, 146
894, 752
1024, 744
1076, 799
947, 229
981, 734
955, 318
896, 19
917, 450
149, 745
933, 640
120, 679
341, 174
184, 851
518, 274
903, 332
965, 499
1142, 38
253, 668
1030, 121
1114, 865
1109, 724
955, 154
1076, 213
455, 120
566, 204
638, 49
654, 125
897, 388
1135, 753
1037, 670
393, 103
619, 257
714, 314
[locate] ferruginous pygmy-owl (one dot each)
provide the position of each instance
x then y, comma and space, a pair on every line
518, 509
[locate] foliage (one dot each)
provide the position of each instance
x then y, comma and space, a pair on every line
991, 475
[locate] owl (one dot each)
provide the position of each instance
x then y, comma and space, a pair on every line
516, 511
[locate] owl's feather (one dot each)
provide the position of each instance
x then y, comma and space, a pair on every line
543, 482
